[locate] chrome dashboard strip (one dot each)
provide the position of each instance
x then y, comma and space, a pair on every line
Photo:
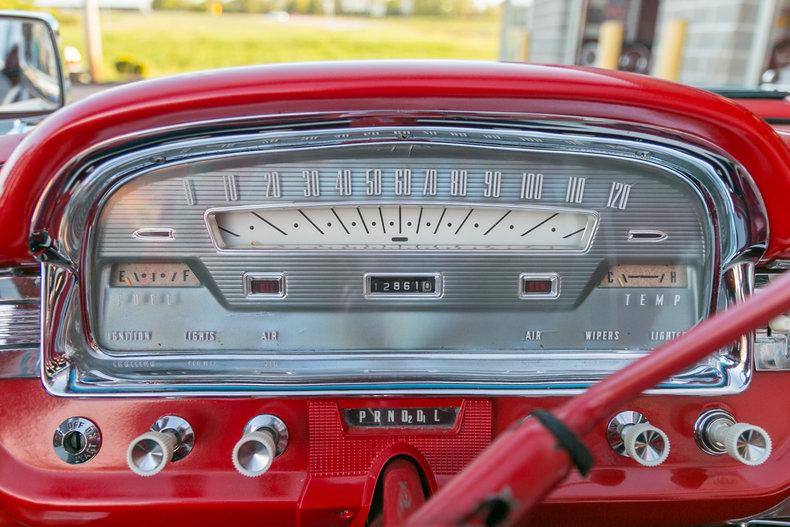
19, 323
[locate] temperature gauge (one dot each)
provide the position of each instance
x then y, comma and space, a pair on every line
646, 275
152, 274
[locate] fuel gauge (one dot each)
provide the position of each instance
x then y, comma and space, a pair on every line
152, 274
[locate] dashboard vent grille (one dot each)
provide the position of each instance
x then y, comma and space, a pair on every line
19, 323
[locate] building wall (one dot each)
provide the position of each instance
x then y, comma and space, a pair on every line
718, 40
721, 35
548, 36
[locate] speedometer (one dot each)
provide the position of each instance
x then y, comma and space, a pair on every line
408, 226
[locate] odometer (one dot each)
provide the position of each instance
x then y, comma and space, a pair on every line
420, 285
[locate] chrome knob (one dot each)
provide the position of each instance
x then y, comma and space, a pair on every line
254, 453
717, 432
646, 444
150, 452
631, 435
170, 439
264, 438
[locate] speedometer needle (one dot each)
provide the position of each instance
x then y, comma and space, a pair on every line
574, 233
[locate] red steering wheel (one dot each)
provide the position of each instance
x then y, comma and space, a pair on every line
526, 462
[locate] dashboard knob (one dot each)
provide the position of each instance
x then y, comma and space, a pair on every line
717, 432
264, 438
150, 452
646, 444
254, 453
749, 444
170, 439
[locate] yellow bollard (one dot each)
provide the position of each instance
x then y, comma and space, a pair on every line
670, 53
610, 44
525, 46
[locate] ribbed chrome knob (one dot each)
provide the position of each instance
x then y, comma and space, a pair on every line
150, 452
254, 453
749, 444
630, 434
170, 439
717, 432
646, 444
264, 438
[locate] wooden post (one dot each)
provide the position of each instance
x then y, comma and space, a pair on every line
610, 44
670, 53
525, 46
93, 39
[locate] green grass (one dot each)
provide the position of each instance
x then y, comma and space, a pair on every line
174, 42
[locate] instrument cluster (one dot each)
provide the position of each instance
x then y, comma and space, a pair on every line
423, 258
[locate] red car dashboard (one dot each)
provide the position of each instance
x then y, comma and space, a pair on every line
264, 295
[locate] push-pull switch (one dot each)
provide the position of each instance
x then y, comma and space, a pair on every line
170, 439
717, 432
631, 435
264, 438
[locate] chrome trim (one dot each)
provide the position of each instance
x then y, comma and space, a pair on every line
438, 281
646, 236
779, 265
702, 425
554, 278
730, 195
778, 515
155, 234
272, 423
616, 427
19, 322
179, 427
280, 277
771, 353
737, 286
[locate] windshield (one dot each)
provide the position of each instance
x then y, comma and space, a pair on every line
696, 42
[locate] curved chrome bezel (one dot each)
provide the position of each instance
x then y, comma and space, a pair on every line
616, 427
701, 426
735, 214
273, 424
180, 427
